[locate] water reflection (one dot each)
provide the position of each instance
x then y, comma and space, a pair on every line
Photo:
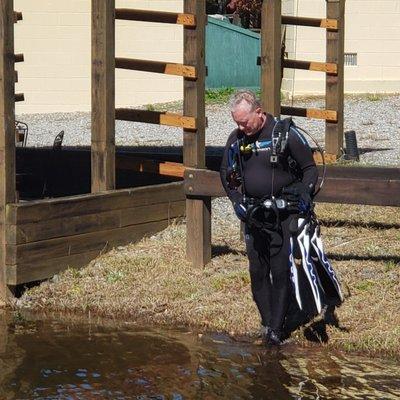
56, 360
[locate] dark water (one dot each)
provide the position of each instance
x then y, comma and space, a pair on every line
60, 360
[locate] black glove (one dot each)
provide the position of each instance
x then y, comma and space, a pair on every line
298, 193
233, 178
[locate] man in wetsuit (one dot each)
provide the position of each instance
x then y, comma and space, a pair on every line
248, 173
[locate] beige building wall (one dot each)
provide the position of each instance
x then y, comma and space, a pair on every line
372, 31
55, 40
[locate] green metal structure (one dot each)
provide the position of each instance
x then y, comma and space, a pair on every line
231, 55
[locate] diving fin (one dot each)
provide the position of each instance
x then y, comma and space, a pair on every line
329, 280
304, 277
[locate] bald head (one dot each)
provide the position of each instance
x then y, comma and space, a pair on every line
247, 113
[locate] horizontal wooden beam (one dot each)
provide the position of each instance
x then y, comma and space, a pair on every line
329, 68
150, 166
99, 240
155, 117
40, 260
27, 272
72, 206
19, 97
328, 115
187, 71
90, 223
328, 158
18, 58
17, 16
352, 185
188, 20
312, 22
203, 182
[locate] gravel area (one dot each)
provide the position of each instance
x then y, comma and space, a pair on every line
376, 120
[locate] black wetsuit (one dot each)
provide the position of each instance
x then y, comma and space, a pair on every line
268, 252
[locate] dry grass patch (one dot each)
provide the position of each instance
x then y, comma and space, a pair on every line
151, 282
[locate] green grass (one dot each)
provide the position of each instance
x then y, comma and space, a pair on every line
151, 282
219, 96
374, 97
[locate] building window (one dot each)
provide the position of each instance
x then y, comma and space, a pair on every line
350, 59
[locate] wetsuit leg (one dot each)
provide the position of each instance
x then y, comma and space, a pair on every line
280, 277
258, 254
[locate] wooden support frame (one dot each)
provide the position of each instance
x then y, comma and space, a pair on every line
335, 9
185, 19
46, 236
7, 128
198, 210
271, 63
187, 71
271, 72
103, 95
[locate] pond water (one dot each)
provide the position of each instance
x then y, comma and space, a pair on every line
52, 359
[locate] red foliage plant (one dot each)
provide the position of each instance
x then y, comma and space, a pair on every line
249, 6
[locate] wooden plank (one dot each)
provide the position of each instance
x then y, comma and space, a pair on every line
156, 117
76, 244
327, 23
203, 182
38, 269
103, 95
328, 158
18, 58
150, 166
330, 68
342, 185
382, 192
70, 226
369, 173
17, 16
271, 72
35, 211
19, 97
198, 211
7, 127
315, 113
186, 19
186, 71
334, 87
46, 268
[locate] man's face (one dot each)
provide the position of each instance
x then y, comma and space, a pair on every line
248, 121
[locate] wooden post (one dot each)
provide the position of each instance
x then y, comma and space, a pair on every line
7, 127
335, 9
103, 95
271, 73
198, 210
